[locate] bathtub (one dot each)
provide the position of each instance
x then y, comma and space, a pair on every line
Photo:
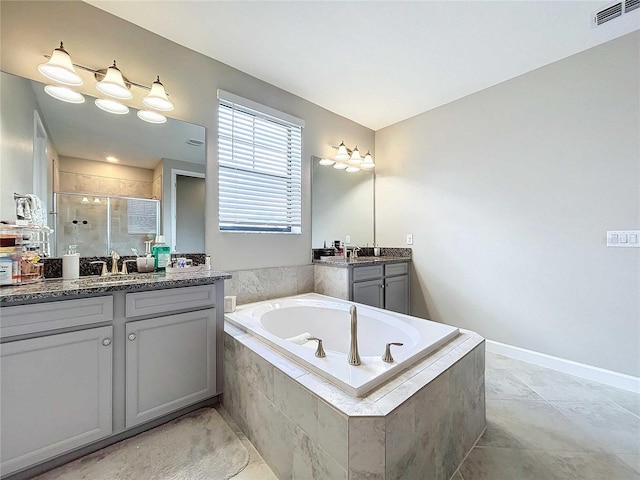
283, 325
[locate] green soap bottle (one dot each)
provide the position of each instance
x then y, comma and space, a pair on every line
161, 253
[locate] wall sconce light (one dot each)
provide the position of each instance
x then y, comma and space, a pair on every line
110, 82
349, 160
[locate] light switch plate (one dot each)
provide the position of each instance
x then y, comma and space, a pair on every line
409, 238
347, 239
623, 238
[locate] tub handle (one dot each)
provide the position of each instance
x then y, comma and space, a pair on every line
319, 351
387, 352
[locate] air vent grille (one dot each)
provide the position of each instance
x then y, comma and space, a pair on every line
194, 143
608, 13
631, 5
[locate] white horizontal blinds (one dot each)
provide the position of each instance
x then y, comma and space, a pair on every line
259, 170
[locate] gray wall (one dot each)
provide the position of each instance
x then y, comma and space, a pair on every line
509, 193
94, 38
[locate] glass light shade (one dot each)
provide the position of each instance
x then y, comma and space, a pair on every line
157, 97
64, 93
340, 166
60, 68
151, 117
355, 159
368, 162
352, 169
113, 84
96, 200
367, 166
111, 106
326, 161
84, 200
342, 154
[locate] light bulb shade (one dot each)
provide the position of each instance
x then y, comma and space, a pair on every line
151, 117
340, 166
64, 93
368, 162
352, 169
326, 161
111, 106
84, 200
157, 97
113, 84
355, 158
60, 68
368, 166
96, 200
342, 153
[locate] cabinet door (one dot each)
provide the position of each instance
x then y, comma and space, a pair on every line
396, 294
369, 293
170, 364
55, 395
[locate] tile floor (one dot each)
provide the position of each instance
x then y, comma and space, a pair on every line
541, 425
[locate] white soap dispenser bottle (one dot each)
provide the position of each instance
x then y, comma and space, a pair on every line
71, 264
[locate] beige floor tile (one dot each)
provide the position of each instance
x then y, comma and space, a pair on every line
501, 384
632, 460
587, 466
485, 463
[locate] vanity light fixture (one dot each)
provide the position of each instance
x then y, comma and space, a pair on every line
151, 117
326, 162
112, 159
111, 106
110, 82
84, 200
64, 93
349, 160
157, 97
113, 83
97, 201
60, 68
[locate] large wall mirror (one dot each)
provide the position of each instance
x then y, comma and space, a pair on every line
341, 204
59, 151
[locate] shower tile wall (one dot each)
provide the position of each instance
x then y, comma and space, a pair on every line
71, 182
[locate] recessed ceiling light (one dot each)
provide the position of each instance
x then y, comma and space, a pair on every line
112, 159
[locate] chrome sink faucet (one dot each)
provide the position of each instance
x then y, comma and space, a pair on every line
354, 356
354, 252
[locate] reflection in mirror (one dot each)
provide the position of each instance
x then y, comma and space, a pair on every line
341, 204
49, 146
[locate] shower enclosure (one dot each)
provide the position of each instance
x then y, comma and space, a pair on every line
100, 224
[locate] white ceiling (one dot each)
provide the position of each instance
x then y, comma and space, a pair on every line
378, 62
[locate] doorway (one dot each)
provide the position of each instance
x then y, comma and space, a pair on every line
189, 214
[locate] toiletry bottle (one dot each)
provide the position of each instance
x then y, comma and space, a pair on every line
162, 254
71, 264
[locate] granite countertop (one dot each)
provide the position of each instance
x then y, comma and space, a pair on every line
340, 262
58, 288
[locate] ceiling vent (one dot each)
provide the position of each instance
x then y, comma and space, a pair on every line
631, 5
194, 143
608, 13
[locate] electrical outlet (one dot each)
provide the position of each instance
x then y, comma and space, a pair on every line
347, 239
409, 238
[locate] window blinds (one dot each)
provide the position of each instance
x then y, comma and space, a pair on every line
259, 152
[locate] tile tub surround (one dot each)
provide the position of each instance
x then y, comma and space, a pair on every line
424, 420
266, 283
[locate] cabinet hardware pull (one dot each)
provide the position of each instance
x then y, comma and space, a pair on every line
132, 336
106, 342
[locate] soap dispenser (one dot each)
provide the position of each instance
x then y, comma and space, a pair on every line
71, 264
161, 253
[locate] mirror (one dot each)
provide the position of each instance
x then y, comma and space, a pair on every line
53, 146
341, 204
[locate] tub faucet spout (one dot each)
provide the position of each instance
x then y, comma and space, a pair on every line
354, 356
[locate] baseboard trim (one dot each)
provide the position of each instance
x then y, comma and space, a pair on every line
588, 372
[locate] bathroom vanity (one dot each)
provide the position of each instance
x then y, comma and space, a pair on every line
89, 362
381, 282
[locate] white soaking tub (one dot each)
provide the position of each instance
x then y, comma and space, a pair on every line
314, 315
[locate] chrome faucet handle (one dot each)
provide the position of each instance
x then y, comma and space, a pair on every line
319, 351
114, 262
124, 270
104, 272
387, 352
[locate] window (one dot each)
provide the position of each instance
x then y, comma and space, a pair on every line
259, 152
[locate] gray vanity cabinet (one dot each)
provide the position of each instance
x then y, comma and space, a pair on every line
383, 286
171, 359
56, 395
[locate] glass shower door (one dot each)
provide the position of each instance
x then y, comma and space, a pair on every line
82, 221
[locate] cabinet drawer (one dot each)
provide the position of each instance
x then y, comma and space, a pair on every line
367, 273
40, 317
396, 269
170, 300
